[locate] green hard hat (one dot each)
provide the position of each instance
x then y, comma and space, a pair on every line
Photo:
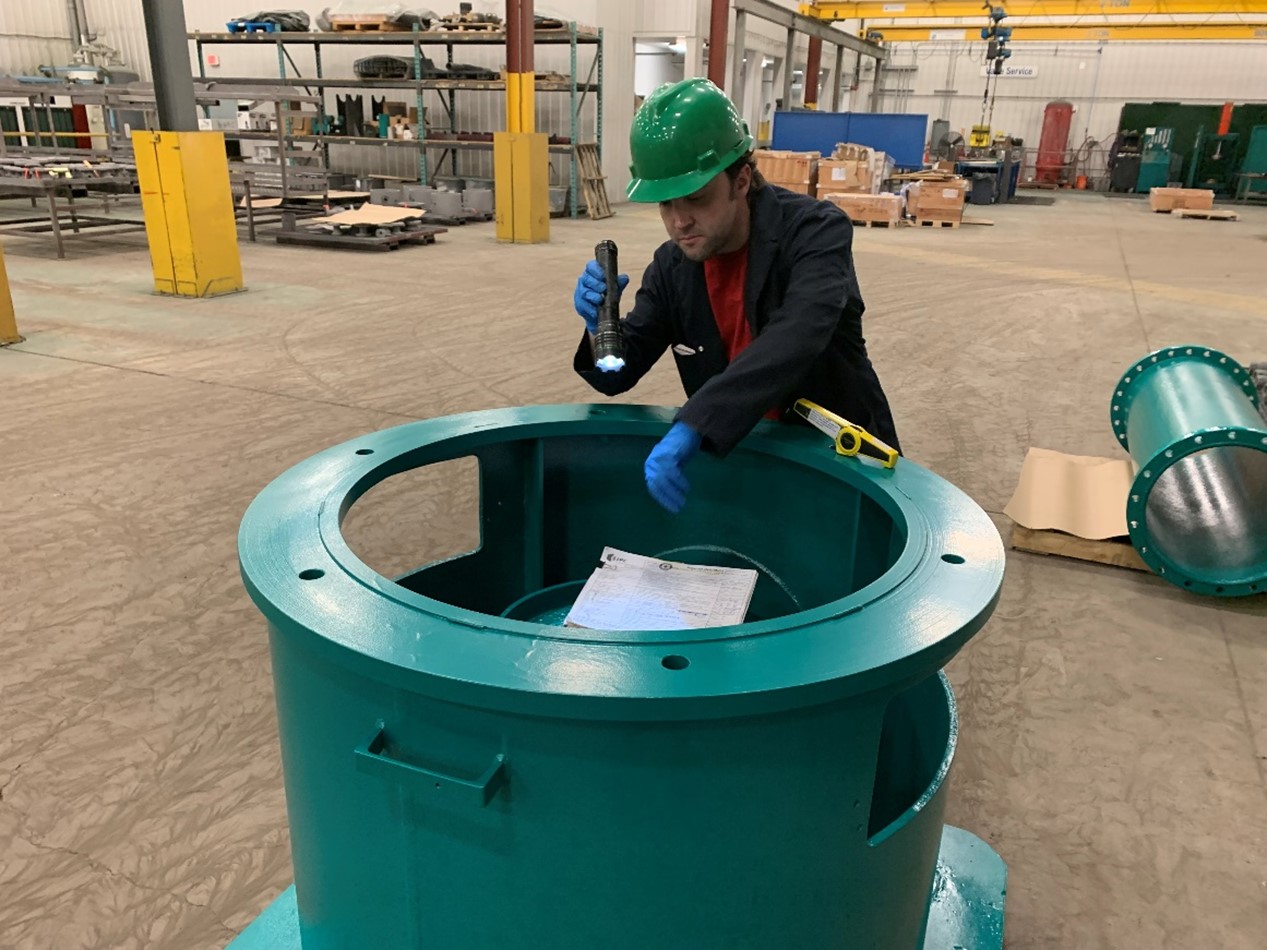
683, 136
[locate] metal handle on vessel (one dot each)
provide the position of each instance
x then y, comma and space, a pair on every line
372, 759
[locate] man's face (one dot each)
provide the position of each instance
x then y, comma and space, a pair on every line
712, 220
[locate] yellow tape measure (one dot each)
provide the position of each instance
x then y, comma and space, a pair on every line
850, 439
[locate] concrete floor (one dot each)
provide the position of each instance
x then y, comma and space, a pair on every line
1114, 729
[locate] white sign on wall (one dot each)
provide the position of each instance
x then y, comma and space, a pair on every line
947, 36
1013, 72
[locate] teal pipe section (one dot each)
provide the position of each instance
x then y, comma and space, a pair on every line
1197, 510
461, 771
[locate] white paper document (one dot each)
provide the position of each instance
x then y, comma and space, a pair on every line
632, 592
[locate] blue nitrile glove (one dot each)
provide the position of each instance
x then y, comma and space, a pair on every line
663, 470
590, 287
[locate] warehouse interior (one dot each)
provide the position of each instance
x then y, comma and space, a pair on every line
241, 252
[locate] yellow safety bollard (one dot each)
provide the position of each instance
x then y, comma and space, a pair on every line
8, 321
188, 208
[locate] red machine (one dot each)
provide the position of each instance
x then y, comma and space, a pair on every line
1054, 142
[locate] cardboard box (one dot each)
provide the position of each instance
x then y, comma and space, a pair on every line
845, 177
937, 200
1168, 199
874, 168
885, 208
850, 152
795, 171
882, 167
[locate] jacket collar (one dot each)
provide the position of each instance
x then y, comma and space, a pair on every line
763, 244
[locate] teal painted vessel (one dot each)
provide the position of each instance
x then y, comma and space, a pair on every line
462, 772
1197, 510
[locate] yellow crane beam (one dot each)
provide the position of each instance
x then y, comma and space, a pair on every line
833, 10
918, 33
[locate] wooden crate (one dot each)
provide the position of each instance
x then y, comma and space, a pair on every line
868, 210
1168, 199
795, 171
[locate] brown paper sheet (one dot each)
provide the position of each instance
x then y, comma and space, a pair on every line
371, 214
1078, 494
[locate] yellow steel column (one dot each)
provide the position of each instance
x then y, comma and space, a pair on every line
8, 322
521, 156
188, 207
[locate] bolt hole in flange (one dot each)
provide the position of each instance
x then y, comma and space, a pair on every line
953, 558
312, 574
675, 662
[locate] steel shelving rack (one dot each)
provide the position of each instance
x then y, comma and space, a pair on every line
578, 89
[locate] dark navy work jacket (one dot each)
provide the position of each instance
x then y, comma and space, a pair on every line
802, 302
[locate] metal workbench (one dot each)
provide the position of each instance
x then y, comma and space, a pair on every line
66, 216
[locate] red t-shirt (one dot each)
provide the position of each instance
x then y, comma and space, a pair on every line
724, 275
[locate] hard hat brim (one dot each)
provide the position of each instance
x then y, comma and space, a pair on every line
652, 190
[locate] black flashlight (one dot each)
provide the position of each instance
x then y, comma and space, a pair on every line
609, 342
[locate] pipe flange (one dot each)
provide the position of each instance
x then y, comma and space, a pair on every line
1123, 393
1149, 475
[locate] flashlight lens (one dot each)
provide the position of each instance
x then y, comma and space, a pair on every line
610, 364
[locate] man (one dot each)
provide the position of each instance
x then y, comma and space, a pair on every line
754, 292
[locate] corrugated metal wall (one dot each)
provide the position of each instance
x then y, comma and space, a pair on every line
32, 34
1098, 78
37, 32
668, 17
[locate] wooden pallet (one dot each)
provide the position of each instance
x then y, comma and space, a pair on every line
466, 217
876, 223
935, 223
1114, 552
365, 23
593, 184
455, 25
389, 242
1206, 214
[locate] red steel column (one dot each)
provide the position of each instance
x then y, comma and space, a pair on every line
813, 66
717, 27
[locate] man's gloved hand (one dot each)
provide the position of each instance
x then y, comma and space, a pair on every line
590, 287
663, 469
